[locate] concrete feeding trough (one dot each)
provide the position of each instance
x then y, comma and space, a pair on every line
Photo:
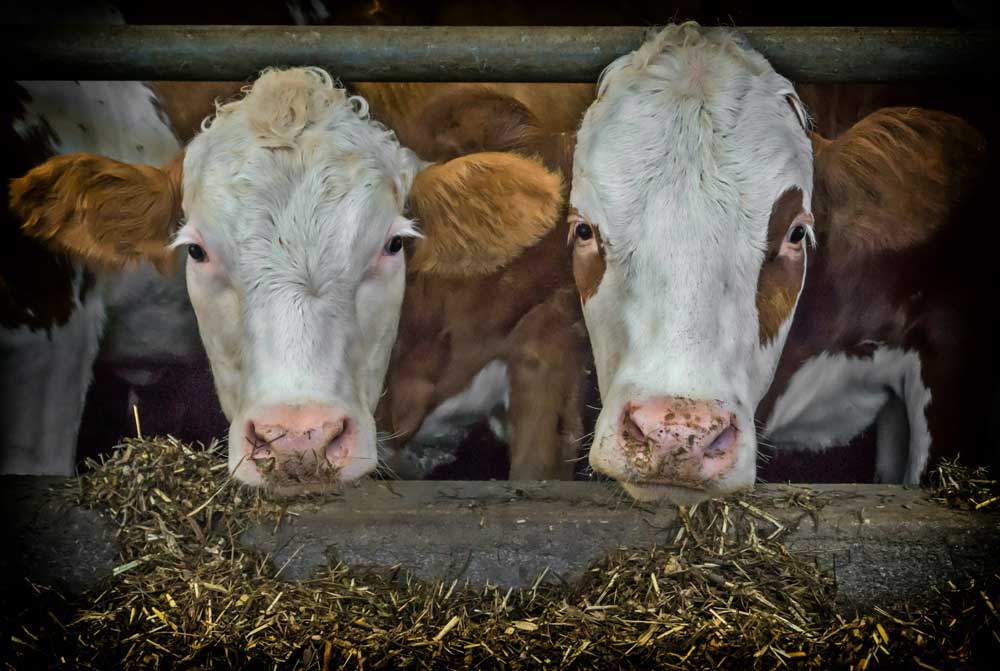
882, 543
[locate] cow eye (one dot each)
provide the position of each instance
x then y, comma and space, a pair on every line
197, 253
584, 231
394, 245
795, 237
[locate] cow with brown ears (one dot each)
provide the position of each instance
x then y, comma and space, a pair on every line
719, 248
305, 222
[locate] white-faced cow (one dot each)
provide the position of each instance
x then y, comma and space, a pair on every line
702, 225
295, 209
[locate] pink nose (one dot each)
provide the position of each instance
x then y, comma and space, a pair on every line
301, 443
678, 441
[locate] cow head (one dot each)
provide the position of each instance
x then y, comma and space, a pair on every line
690, 221
290, 207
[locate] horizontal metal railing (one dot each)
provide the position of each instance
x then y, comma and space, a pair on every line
421, 53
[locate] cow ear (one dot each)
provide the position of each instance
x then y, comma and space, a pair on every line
896, 178
819, 143
102, 211
479, 212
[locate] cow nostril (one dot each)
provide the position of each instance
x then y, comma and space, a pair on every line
336, 448
632, 430
722, 444
263, 436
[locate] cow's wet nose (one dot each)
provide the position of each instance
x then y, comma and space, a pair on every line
677, 440
300, 440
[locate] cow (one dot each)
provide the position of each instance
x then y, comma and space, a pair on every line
296, 209
461, 365
56, 312
713, 238
70, 333
519, 359
505, 343
61, 319
454, 364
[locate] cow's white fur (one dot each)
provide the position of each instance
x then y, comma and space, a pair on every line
294, 192
678, 164
833, 397
45, 376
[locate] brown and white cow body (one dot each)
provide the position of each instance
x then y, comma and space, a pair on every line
894, 324
66, 324
56, 312
293, 207
704, 227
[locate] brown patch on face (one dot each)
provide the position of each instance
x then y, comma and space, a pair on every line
867, 289
780, 277
101, 210
479, 212
588, 257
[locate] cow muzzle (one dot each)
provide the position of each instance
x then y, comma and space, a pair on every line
302, 447
672, 441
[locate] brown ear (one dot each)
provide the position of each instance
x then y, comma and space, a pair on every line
819, 143
101, 211
479, 212
556, 152
895, 177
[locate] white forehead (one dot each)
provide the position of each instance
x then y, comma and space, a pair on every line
296, 162
692, 122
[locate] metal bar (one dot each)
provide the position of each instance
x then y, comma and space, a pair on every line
421, 53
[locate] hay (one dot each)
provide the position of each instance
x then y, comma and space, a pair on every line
725, 594
958, 486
